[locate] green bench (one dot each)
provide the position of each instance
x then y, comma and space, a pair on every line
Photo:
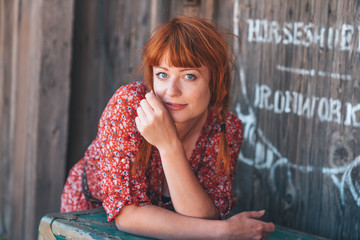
92, 224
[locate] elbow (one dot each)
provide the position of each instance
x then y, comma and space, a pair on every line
213, 215
123, 220
120, 223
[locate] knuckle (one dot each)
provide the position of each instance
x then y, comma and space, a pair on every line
159, 113
142, 102
259, 228
140, 128
151, 119
145, 129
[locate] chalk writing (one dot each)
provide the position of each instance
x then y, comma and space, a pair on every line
326, 109
267, 157
346, 38
313, 72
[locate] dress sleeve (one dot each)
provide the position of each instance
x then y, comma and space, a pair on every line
219, 185
120, 141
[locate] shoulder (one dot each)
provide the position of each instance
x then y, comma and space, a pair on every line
125, 101
129, 93
232, 119
233, 123
234, 131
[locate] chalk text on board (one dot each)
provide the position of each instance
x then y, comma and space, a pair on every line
313, 72
305, 34
326, 109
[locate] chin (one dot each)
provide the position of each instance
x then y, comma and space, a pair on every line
178, 119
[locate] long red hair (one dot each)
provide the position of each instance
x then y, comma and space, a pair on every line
191, 42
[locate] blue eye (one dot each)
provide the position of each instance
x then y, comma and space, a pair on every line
190, 76
161, 75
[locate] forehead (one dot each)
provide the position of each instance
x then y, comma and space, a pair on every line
176, 57
166, 62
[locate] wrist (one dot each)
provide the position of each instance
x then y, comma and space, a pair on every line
171, 147
221, 229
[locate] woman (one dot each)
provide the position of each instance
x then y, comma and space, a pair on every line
164, 158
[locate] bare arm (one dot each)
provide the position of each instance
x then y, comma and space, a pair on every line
188, 196
153, 221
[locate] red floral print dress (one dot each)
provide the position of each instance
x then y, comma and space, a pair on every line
110, 156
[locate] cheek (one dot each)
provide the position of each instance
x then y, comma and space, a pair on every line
203, 97
206, 95
158, 90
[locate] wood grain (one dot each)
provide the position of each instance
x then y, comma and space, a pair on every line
34, 74
277, 178
107, 38
308, 155
300, 162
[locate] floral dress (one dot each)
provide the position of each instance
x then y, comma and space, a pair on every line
110, 156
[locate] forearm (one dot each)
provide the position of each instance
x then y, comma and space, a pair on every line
188, 196
153, 221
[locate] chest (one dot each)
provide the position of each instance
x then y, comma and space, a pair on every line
157, 182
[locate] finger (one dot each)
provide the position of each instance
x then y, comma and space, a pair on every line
256, 214
148, 110
141, 115
269, 227
138, 124
154, 101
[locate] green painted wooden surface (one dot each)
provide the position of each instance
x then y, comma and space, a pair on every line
92, 224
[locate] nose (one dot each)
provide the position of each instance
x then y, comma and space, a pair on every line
174, 88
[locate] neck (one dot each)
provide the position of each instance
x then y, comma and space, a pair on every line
193, 126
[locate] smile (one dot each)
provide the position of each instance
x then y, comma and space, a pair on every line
174, 106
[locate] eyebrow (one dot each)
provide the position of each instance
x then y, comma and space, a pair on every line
182, 70
162, 68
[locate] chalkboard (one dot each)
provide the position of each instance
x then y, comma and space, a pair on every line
297, 93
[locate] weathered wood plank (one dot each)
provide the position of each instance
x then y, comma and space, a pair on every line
299, 98
299, 160
7, 119
107, 37
53, 98
34, 52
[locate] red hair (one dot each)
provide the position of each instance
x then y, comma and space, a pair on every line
191, 42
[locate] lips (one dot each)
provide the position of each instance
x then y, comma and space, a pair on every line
175, 106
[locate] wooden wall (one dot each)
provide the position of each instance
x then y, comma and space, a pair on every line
297, 93
299, 158
107, 38
35, 51
296, 89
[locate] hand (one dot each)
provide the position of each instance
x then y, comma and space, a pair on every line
246, 225
154, 122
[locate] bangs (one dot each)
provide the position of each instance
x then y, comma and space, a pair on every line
179, 50
190, 43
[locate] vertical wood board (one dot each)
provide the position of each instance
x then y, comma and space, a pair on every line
33, 126
107, 37
297, 93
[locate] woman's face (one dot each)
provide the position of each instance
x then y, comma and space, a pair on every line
184, 91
